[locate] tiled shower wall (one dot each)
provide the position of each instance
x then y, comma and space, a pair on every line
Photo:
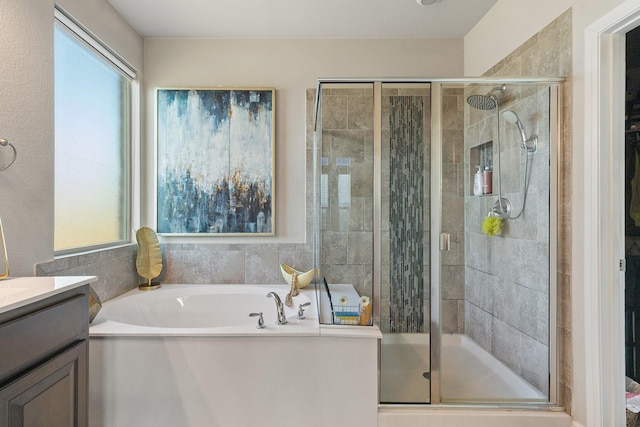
506, 290
507, 280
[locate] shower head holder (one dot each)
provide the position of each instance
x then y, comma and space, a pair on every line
531, 144
501, 208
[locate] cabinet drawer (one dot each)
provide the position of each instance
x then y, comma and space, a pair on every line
34, 337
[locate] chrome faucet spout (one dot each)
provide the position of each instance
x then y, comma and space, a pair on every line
282, 319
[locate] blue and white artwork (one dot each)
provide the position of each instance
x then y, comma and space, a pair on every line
215, 161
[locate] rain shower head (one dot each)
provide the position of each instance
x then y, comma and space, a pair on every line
482, 102
510, 116
488, 101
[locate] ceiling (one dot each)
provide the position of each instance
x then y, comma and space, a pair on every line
302, 18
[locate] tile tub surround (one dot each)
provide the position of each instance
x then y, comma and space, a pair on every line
184, 263
115, 269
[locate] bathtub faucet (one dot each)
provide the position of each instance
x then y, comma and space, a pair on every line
282, 319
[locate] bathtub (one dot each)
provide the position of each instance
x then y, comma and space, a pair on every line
186, 310
190, 356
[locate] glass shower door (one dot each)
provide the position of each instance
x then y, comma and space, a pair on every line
462, 280
495, 263
344, 154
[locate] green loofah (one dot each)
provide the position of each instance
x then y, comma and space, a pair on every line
492, 226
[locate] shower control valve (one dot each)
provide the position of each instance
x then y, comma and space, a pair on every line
301, 310
260, 319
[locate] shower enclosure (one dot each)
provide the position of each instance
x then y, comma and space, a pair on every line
462, 285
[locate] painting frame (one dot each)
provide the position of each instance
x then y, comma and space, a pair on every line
215, 161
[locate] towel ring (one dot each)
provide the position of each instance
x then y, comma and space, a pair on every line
5, 143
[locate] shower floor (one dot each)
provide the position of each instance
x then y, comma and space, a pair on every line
469, 373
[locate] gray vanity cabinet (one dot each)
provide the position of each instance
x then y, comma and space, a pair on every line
43, 362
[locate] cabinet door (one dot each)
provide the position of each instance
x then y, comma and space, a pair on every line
50, 395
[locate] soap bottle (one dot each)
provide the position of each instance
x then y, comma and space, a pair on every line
487, 177
477, 182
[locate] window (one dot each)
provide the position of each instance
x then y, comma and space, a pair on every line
92, 141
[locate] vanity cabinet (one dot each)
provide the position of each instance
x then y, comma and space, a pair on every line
43, 361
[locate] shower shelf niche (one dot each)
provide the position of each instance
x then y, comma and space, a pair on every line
480, 155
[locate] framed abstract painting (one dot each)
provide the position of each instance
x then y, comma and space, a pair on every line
215, 161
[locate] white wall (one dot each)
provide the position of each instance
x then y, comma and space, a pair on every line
291, 66
506, 26
27, 120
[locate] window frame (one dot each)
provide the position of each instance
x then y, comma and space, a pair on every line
132, 141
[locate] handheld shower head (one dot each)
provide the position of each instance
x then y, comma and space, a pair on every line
488, 101
510, 116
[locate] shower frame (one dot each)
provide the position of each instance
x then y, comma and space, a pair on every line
435, 231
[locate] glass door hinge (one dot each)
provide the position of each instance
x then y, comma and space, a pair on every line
623, 265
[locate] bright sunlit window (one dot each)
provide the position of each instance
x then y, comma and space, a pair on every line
92, 141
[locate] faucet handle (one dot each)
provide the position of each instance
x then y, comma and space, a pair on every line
301, 310
260, 319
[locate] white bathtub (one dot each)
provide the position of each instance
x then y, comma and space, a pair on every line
170, 357
204, 310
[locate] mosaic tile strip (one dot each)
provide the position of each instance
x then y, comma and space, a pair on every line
406, 120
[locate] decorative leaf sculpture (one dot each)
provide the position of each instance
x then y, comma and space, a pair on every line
303, 279
94, 304
3, 249
149, 259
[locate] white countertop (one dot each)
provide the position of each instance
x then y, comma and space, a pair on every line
18, 291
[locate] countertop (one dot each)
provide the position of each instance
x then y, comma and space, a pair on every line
19, 291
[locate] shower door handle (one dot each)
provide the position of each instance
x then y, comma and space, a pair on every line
445, 239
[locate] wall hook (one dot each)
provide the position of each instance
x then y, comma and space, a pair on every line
6, 143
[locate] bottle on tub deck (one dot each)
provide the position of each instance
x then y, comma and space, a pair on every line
487, 177
477, 182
